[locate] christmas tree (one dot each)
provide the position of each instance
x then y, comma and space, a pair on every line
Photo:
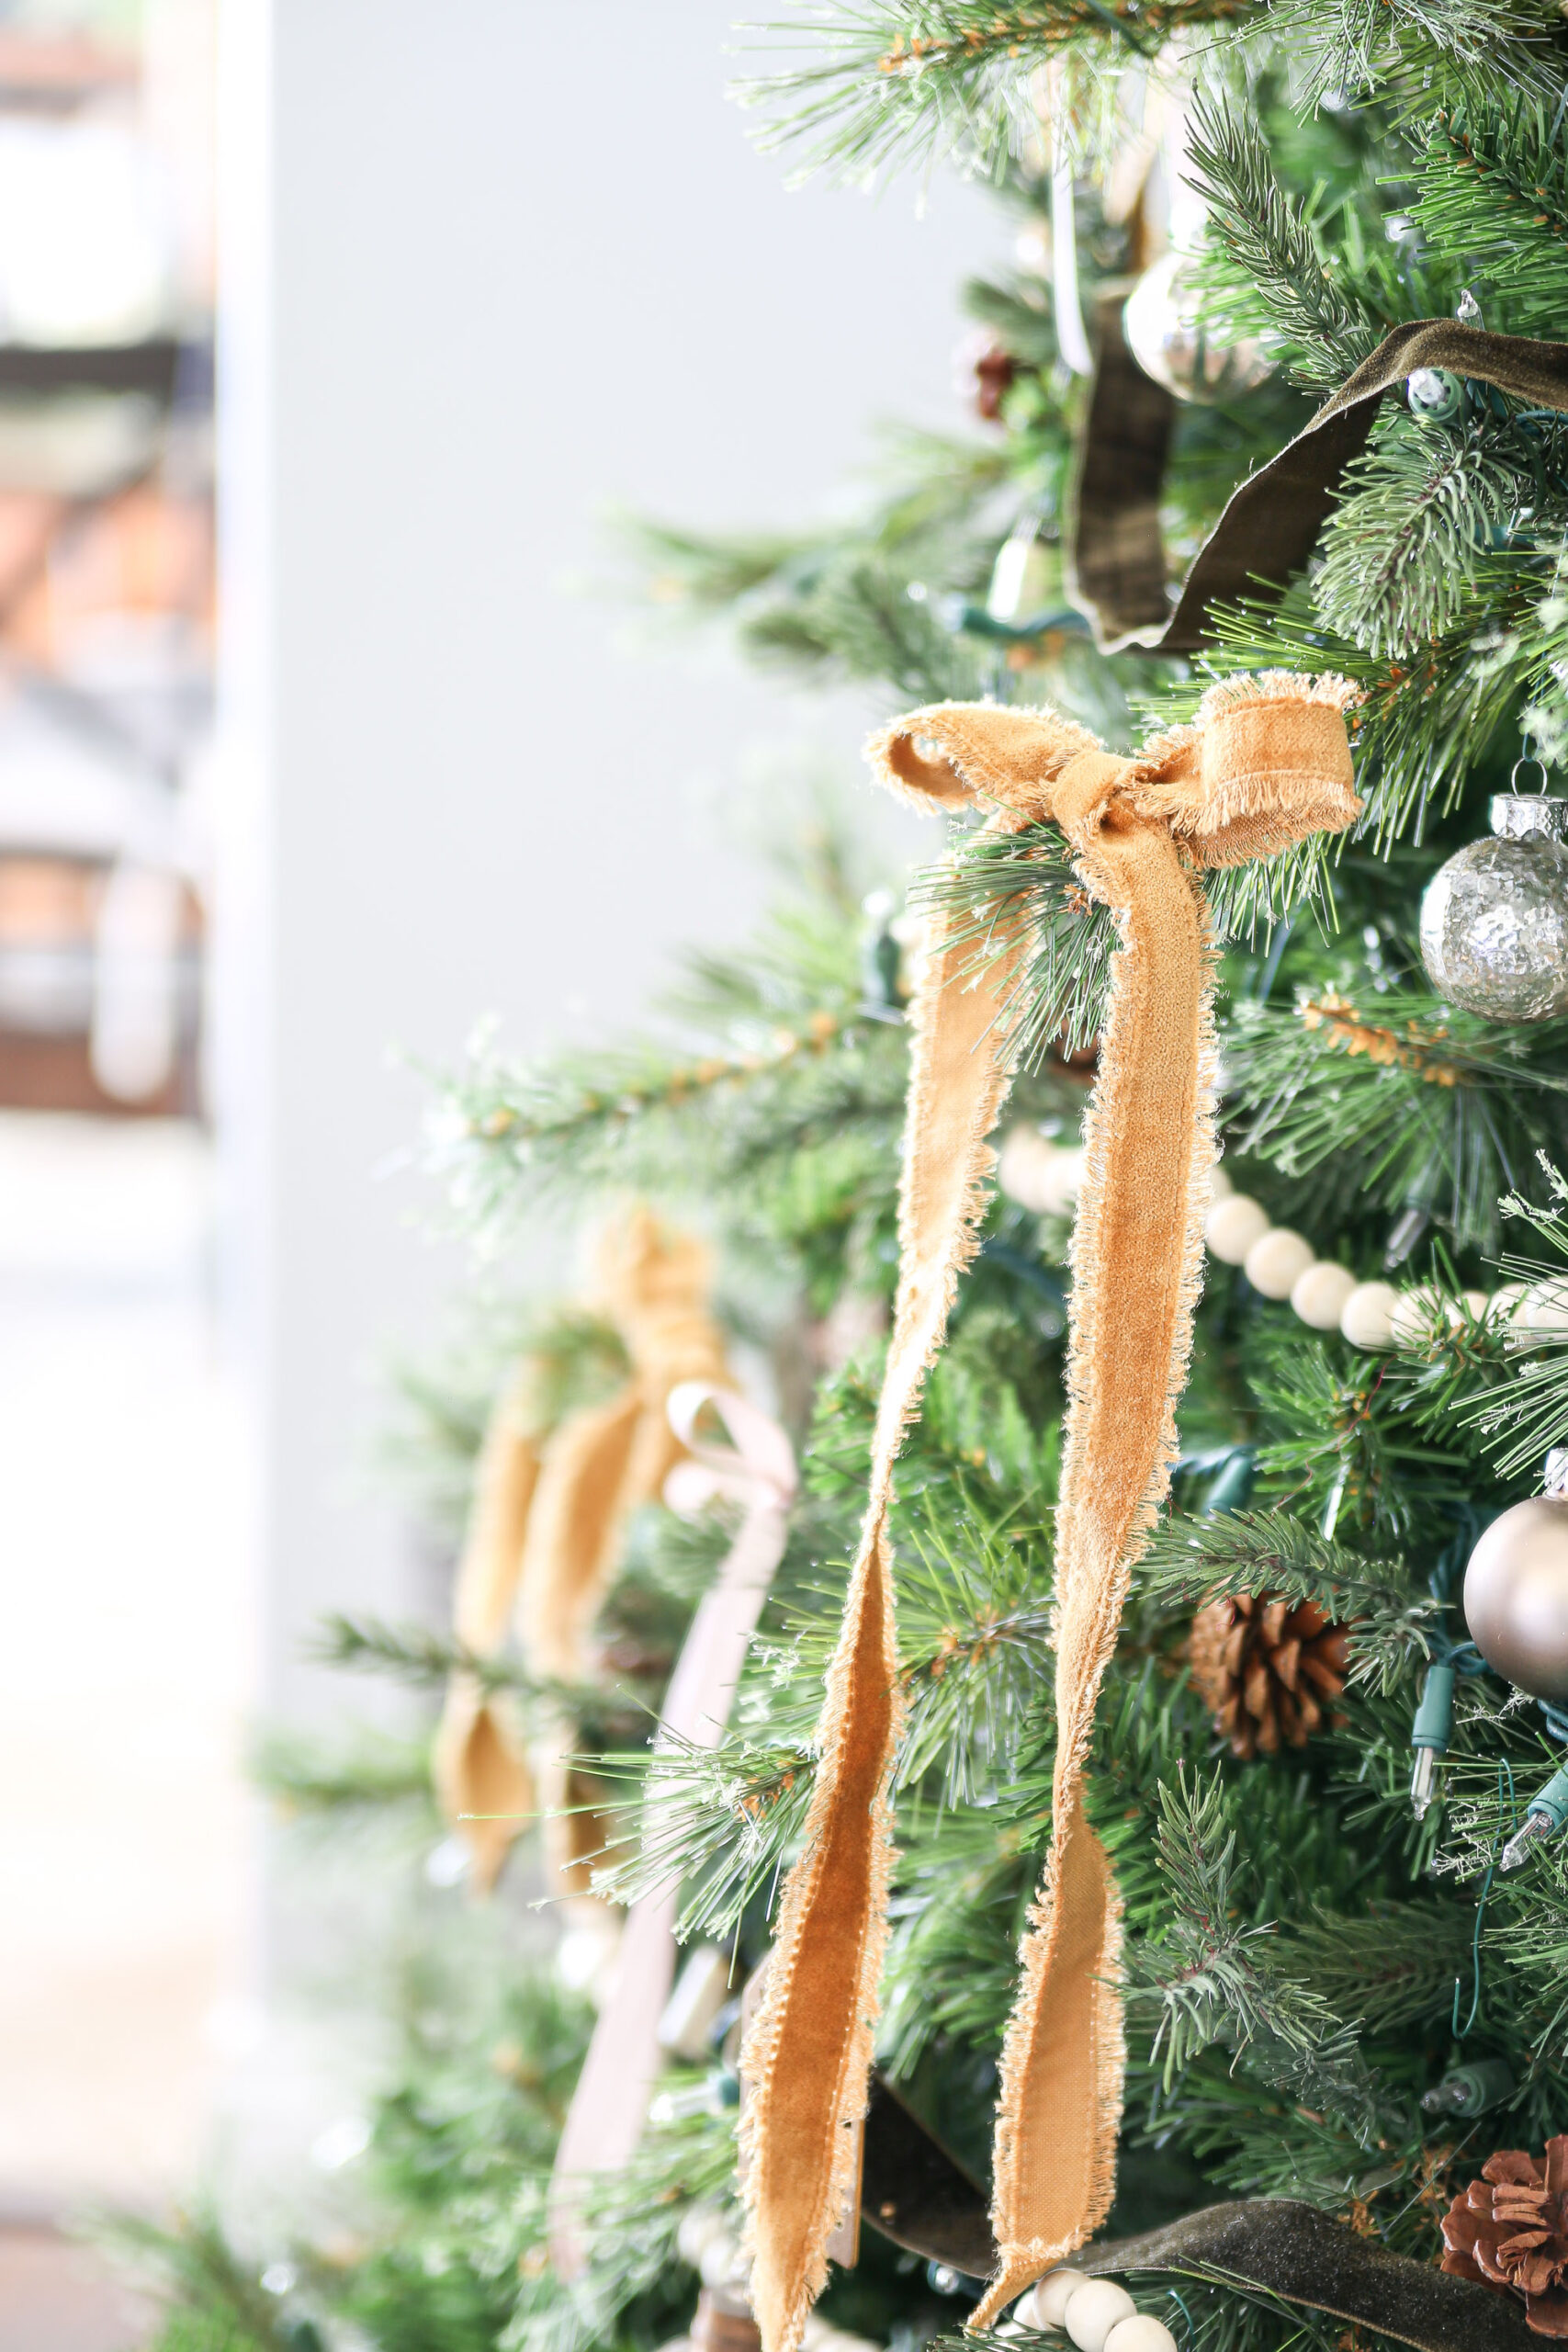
1269, 443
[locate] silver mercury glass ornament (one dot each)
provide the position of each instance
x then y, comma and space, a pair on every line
1495, 919
1163, 321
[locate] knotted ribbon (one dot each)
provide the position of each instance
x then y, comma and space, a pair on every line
545, 1531
1266, 764
610, 2103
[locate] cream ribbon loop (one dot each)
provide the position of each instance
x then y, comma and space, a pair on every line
1266, 764
611, 2101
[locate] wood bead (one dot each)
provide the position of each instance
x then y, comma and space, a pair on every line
698, 2230
1416, 1314
1276, 1261
1234, 1226
1064, 1179
1023, 1166
1094, 2310
720, 2263
1320, 1295
1545, 1307
1039, 1174
1367, 1316
1045, 2305
1142, 2333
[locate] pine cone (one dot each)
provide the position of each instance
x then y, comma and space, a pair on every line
1510, 2229
994, 371
1264, 1668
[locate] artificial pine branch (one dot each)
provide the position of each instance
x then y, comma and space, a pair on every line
573, 1107
709, 571
838, 599
900, 82
1525, 1414
1277, 277
1499, 49
1399, 1097
994, 885
952, 1962
719, 1819
1393, 1970
1401, 549
1212, 1981
856, 618
414, 1654
1497, 190
973, 1639
1340, 1442
306, 1781
789, 1121
218, 2287
973, 1649
629, 2219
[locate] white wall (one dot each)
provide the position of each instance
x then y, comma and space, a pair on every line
488, 264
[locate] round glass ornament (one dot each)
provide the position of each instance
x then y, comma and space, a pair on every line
1165, 331
1495, 919
1516, 1591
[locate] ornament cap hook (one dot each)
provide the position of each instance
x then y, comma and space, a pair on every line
1515, 815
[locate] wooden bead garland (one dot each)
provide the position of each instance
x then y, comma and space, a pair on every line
1045, 1176
1094, 2310
1098, 2314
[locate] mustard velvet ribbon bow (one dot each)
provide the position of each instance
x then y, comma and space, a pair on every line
1266, 764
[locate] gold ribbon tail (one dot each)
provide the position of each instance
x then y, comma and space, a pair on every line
808, 2056
1137, 1275
479, 1761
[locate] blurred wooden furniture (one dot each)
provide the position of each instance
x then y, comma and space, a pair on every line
58, 1037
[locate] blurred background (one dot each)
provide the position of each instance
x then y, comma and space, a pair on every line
331, 331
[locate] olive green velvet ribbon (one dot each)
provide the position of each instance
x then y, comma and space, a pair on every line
1274, 519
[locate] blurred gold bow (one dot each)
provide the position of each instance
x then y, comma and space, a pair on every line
544, 1530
